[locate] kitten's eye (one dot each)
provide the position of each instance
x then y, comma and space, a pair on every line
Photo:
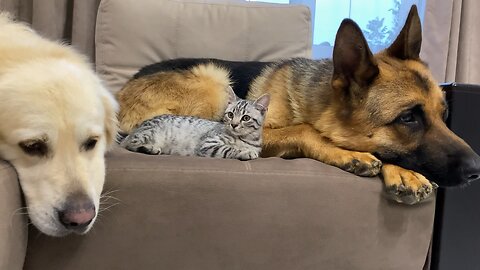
34, 147
245, 118
230, 115
90, 144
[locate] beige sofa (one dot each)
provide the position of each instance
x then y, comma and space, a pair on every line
200, 213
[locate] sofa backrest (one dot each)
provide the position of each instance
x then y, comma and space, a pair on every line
133, 33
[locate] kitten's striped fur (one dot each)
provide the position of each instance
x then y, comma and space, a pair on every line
238, 136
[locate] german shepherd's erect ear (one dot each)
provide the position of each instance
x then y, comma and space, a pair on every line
353, 62
408, 42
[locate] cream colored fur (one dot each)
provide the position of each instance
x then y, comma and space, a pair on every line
49, 91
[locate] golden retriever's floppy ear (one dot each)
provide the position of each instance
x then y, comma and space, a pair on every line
110, 106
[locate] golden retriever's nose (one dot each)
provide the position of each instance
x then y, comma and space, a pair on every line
77, 213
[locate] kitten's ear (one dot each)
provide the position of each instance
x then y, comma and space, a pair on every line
232, 97
262, 103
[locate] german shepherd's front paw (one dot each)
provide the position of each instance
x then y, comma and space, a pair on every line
362, 164
405, 186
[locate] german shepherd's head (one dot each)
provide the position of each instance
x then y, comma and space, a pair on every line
390, 105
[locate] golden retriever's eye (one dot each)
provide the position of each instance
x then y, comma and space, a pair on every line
34, 147
90, 144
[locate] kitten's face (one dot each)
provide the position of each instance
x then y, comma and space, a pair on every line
244, 117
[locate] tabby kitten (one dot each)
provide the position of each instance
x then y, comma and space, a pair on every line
238, 136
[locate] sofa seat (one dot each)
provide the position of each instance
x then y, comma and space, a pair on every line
202, 213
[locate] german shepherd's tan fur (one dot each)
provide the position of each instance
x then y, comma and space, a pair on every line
140, 101
358, 111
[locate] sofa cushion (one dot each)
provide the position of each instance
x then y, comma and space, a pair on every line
204, 213
134, 33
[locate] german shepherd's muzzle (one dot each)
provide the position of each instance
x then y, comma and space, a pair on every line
440, 156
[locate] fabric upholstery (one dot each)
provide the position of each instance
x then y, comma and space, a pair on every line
70, 21
84, 17
202, 213
130, 36
451, 37
13, 221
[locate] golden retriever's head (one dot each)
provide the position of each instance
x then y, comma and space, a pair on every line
56, 121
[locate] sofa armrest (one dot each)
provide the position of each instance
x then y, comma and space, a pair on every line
13, 224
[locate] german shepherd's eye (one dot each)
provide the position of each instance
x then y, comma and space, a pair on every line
34, 147
245, 118
412, 118
230, 115
408, 118
90, 144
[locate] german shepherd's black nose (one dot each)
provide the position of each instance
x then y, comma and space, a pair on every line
449, 167
470, 168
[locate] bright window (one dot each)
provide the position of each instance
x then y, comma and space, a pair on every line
380, 20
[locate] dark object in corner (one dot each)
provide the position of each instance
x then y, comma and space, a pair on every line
456, 240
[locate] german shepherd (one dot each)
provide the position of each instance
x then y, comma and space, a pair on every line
356, 111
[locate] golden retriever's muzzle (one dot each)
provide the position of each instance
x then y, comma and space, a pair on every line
77, 213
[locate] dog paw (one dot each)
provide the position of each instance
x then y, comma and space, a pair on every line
405, 186
362, 164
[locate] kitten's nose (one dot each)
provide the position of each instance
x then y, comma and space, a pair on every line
234, 125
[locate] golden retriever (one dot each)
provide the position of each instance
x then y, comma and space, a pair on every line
56, 122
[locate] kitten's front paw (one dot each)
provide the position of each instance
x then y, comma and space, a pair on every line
248, 155
149, 150
145, 149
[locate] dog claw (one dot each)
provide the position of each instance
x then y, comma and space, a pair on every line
402, 194
360, 168
377, 163
405, 186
